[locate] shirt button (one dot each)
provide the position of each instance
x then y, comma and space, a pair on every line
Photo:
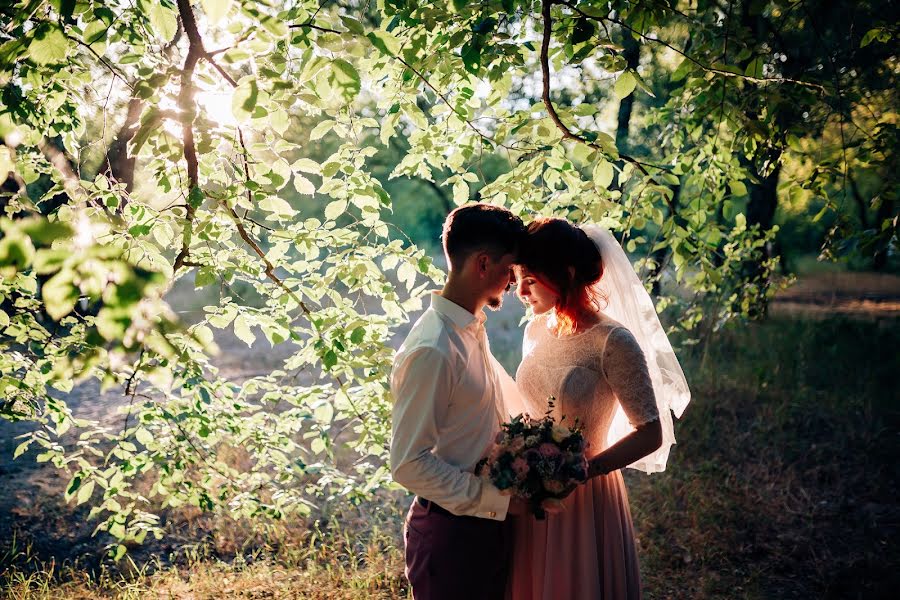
492, 514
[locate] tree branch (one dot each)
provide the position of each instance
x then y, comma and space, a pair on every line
188, 112
309, 25
546, 5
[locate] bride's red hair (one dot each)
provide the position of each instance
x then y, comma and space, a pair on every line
563, 258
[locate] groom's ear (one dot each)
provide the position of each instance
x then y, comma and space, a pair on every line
482, 262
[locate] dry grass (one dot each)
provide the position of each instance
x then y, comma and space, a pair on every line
783, 485
322, 562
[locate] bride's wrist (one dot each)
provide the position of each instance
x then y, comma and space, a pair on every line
597, 466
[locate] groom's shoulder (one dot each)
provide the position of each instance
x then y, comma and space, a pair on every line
428, 332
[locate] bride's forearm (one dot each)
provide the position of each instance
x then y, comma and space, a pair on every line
638, 444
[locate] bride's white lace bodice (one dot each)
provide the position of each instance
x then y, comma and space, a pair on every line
589, 373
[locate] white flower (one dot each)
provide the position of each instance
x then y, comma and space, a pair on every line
560, 433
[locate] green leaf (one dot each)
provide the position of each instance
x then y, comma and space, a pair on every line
84, 494
603, 174
471, 56
223, 318
74, 485
306, 165
460, 192
303, 185
755, 68
584, 30
276, 205
242, 330
624, 85
335, 209
324, 413
205, 276
737, 188
164, 20
279, 120
49, 46
45, 232
149, 125
143, 436
320, 130
358, 335
95, 32
386, 42
16, 251
870, 36
352, 25
216, 9
275, 26
60, 294
329, 359
243, 102
195, 197
346, 78
317, 446
21, 449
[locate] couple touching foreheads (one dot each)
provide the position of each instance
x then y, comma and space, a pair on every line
595, 344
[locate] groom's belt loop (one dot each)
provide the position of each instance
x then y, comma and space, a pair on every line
431, 507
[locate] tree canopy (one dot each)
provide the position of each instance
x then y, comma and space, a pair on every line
261, 151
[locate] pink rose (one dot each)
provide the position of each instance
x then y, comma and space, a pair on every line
548, 450
554, 487
520, 467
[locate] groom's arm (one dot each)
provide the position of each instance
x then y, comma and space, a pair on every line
422, 382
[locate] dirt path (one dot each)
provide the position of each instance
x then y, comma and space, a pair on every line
827, 294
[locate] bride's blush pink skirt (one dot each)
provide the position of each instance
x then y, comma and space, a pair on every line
587, 551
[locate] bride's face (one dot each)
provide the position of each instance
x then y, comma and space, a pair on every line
532, 292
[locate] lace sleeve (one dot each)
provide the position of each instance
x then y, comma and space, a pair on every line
626, 370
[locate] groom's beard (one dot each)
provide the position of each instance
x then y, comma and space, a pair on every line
495, 302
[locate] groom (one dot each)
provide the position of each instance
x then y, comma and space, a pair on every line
447, 411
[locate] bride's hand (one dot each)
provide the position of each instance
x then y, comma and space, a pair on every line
553, 506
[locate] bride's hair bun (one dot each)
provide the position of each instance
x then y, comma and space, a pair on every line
565, 259
588, 262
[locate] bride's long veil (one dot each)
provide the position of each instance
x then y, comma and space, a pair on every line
630, 304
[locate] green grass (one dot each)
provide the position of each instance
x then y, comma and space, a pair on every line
783, 485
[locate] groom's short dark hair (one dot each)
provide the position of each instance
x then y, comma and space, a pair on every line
481, 228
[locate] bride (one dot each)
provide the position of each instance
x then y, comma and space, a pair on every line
596, 345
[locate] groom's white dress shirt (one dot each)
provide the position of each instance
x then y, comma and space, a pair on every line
447, 411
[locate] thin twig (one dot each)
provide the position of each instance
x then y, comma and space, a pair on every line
546, 5
705, 67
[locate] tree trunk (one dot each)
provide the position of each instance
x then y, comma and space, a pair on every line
761, 211
118, 165
885, 212
632, 55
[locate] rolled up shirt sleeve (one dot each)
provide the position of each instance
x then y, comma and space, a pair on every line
422, 384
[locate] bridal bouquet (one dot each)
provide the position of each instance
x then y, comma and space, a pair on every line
539, 460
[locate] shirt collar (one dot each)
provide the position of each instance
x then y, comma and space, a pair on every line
458, 315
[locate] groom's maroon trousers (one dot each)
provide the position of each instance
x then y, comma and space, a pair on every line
452, 557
